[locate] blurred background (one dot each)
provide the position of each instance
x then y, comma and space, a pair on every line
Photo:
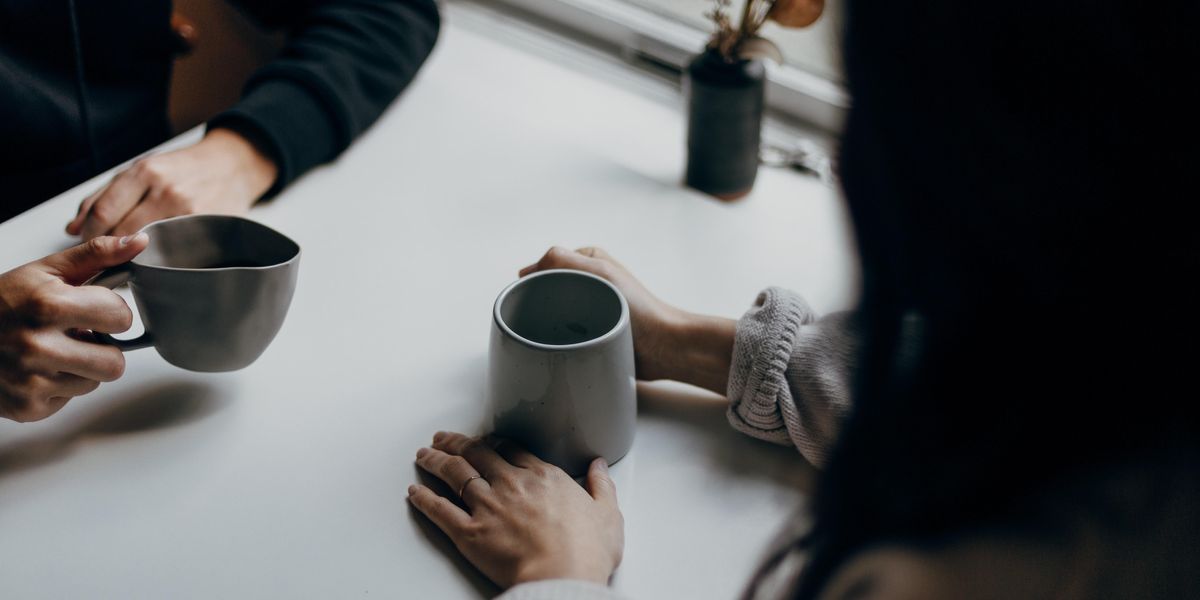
657, 37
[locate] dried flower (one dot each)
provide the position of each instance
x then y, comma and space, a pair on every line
743, 41
724, 36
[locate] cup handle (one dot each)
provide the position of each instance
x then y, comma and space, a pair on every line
111, 278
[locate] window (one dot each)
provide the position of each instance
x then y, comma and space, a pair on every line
808, 87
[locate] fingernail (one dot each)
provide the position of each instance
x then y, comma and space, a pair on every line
412, 489
422, 452
602, 465
129, 238
437, 437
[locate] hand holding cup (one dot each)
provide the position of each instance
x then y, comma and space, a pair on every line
48, 352
668, 342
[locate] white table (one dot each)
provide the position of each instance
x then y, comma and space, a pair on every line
288, 479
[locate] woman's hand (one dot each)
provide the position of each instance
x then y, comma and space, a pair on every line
669, 343
46, 320
526, 520
223, 174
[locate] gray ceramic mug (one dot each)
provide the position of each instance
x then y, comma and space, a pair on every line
560, 371
212, 290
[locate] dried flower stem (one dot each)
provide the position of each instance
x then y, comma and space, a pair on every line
760, 17
746, 12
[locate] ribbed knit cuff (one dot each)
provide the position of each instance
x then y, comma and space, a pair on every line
762, 349
559, 589
289, 122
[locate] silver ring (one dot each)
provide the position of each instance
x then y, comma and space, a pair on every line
462, 488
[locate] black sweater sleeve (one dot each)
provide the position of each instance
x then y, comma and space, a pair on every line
343, 63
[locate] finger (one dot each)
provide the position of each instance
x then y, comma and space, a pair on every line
541, 264
41, 396
560, 258
515, 454
480, 455
85, 207
65, 386
599, 484
597, 253
75, 265
454, 471
144, 214
545, 262
29, 412
57, 403
125, 192
527, 270
54, 352
87, 307
444, 513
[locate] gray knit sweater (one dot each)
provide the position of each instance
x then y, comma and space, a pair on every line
788, 384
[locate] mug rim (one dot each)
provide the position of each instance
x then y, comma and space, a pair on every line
613, 332
295, 256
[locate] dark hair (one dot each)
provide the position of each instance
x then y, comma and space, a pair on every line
1023, 182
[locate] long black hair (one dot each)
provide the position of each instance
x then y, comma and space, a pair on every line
1024, 180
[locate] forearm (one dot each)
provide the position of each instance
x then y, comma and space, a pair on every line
344, 63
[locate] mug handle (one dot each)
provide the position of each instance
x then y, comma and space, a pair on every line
111, 278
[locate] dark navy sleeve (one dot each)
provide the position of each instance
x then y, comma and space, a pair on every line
344, 62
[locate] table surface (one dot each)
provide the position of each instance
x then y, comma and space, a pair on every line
288, 479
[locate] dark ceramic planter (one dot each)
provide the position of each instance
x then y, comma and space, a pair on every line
725, 112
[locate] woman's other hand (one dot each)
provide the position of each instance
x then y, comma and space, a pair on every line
652, 319
525, 520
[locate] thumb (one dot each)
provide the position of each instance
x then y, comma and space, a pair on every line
75, 265
562, 258
600, 485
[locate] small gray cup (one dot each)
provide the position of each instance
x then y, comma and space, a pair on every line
212, 290
560, 373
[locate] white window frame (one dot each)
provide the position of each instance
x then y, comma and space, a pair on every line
642, 34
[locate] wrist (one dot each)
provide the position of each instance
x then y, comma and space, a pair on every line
702, 350
251, 164
554, 569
